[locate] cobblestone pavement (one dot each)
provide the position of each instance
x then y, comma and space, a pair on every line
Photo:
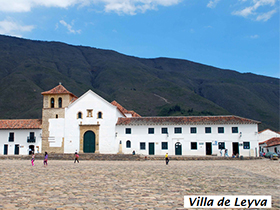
131, 185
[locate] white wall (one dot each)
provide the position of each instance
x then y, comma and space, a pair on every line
110, 114
140, 134
20, 138
267, 134
56, 132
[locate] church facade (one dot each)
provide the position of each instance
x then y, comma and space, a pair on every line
90, 124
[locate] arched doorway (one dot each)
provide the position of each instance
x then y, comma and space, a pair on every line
89, 142
178, 148
31, 149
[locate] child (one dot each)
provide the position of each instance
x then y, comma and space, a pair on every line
33, 159
46, 159
76, 157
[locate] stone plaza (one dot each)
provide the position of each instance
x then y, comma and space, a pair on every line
131, 184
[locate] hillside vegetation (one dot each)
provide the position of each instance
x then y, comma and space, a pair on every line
160, 86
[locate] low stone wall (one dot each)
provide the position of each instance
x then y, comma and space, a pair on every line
59, 156
119, 157
185, 158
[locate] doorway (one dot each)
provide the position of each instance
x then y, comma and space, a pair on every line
208, 148
31, 149
89, 142
178, 148
151, 148
235, 148
17, 149
5, 149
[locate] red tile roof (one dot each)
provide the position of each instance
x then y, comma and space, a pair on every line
21, 124
271, 142
58, 90
190, 120
123, 110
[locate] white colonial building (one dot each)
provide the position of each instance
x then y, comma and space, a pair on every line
90, 124
269, 141
20, 136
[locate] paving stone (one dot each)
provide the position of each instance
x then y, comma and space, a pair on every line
131, 184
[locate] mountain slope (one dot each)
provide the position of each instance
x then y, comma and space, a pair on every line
160, 86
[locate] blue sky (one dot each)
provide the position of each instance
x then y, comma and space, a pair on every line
241, 35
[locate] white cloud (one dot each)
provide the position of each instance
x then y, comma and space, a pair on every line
27, 5
251, 11
212, 3
69, 27
119, 6
266, 16
13, 28
254, 36
132, 7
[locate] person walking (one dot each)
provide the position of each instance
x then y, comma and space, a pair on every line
226, 153
166, 159
33, 159
76, 157
46, 159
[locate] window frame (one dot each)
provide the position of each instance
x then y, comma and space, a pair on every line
221, 129
193, 144
176, 129
164, 130
164, 147
128, 130
221, 145
11, 137
99, 115
52, 102
193, 130
234, 129
207, 129
128, 144
78, 115
142, 145
151, 130
247, 146
59, 102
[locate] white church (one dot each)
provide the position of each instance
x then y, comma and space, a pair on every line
90, 124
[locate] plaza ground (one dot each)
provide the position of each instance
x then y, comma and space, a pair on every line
131, 184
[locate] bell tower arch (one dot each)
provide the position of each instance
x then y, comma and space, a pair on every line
54, 103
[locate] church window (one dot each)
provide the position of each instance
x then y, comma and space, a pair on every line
89, 113
128, 144
80, 115
52, 102
60, 103
99, 115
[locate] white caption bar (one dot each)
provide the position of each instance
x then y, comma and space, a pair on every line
224, 201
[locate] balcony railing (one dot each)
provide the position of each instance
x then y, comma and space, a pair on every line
31, 140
